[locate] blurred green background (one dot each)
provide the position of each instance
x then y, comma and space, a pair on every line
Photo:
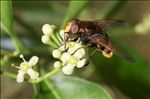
122, 79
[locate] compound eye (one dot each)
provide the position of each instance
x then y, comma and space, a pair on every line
74, 28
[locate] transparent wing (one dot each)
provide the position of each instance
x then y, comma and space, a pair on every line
108, 24
121, 51
118, 50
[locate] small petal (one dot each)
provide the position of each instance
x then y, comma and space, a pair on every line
65, 57
33, 74
57, 64
68, 69
33, 60
79, 53
45, 39
20, 76
81, 63
47, 29
56, 53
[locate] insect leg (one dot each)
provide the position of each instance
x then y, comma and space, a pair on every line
94, 52
82, 47
65, 41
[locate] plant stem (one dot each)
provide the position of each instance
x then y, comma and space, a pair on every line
58, 37
45, 76
7, 25
55, 39
35, 89
8, 74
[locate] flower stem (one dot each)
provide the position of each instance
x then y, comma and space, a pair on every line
44, 77
55, 39
35, 89
54, 45
58, 36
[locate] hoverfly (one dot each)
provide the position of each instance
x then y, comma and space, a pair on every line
93, 34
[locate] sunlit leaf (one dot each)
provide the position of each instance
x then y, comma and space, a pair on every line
76, 88
6, 16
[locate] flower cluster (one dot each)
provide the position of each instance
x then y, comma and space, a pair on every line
26, 68
70, 56
49, 37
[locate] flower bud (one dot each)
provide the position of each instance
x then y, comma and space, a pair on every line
47, 29
57, 64
45, 39
56, 53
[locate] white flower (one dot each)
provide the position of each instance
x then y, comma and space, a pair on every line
56, 53
47, 29
70, 58
73, 60
26, 68
65, 57
68, 69
74, 47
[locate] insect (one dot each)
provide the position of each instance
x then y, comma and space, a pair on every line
93, 34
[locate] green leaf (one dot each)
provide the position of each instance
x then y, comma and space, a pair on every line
7, 25
74, 9
43, 92
6, 16
75, 88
